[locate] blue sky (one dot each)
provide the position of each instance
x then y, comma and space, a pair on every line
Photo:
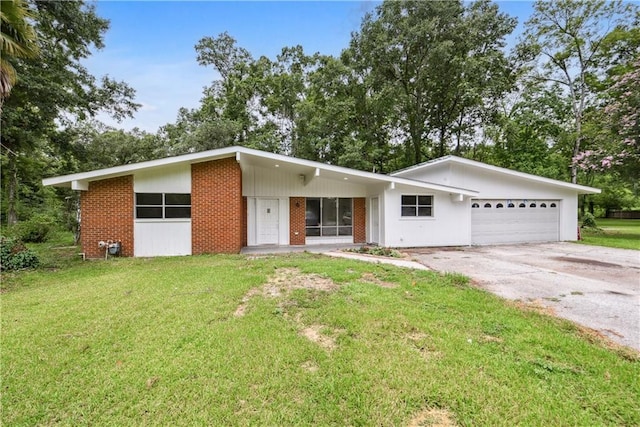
150, 44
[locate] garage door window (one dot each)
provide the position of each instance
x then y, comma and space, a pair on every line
415, 206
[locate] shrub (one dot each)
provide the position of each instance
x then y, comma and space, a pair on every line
35, 230
589, 221
14, 255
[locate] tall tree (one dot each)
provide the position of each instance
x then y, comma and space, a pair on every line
564, 39
438, 61
55, 89
17, 40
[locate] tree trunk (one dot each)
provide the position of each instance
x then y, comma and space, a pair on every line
416, 140
12, 217
576, 150
441, 142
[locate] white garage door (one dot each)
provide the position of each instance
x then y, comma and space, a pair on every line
514, 221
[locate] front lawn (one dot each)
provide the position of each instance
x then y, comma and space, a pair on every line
614, 233
293, 340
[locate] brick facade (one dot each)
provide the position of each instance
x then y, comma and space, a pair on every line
297, 220
218, 217
106, 211
359, 220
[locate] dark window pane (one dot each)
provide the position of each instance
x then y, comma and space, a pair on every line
487, 205
313, 231
149, 212
543, 205
522, 205
408, 200
177, 212
177, 199
148, 198
425, 200
475, 205
408, 211
344, 231
329, 212
344, 211
424, 211
499, 205
329, 231
532, 205
312, 214
553, 205
511, 205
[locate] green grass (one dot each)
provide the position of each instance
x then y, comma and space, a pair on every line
614, 233
156, 341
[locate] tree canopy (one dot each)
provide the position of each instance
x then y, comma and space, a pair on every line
418, 80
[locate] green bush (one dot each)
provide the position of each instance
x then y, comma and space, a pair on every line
14, 255
35, 230
589, 221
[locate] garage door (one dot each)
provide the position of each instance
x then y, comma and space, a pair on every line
514, 221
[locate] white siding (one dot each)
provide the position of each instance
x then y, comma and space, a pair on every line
449, 226
169, 179
495, 185
262, 182
162, 237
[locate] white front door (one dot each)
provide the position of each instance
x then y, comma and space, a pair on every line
375, 221
268, 225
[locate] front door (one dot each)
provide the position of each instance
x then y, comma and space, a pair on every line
268, 228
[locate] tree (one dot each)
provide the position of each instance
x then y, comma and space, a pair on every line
564, 39
17, 40
438, 61
55, 89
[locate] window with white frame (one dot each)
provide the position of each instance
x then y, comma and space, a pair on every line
163, 206
417, 206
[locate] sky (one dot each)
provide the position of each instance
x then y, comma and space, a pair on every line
150, 44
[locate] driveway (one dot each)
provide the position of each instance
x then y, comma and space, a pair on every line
595, 286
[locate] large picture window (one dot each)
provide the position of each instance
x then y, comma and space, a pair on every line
163, 205
414, 205
329, 216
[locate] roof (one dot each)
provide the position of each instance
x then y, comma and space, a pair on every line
581, 189
246, 157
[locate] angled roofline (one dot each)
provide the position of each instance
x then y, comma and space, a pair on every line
79, 181
582, 189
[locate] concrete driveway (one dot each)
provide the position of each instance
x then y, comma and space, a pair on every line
595, 286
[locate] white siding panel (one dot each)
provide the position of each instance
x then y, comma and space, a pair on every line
262, 182
162, 238
493, 185
449, 226
169, 179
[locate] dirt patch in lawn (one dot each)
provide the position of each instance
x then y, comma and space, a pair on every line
282, 283
537, 306
314, 334
432, 417
371, 278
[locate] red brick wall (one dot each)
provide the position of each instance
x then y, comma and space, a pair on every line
297, 222
107, 214
217, 224
359, 220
